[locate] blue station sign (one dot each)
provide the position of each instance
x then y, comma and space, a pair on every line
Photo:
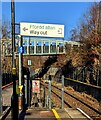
21, 49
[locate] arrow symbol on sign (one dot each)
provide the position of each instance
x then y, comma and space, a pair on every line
60, 31
25, 28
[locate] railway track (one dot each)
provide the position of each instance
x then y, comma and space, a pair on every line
71, 100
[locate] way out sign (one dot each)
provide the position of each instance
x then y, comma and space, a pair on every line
36, 86
42, 30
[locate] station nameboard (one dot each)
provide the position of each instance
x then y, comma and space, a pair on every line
42, 30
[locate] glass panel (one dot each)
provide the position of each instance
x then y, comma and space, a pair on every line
38, 47
60, 47
25, 49
25, 44
31, 47
53, 47
46, 47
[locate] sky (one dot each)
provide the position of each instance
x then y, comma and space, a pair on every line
67, 13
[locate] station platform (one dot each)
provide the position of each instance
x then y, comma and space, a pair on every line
70, 114
54, 114
39, 114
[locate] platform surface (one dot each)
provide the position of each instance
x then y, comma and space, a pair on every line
39, 114
54, 114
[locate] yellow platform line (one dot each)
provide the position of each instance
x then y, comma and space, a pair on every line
56, 114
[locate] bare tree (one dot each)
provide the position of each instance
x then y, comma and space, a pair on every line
6, 29
88, 34
74, 35
6, 35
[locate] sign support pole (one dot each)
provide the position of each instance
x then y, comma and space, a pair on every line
20, 66
20, 73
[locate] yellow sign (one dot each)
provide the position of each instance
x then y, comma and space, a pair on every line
14, 71
19, 89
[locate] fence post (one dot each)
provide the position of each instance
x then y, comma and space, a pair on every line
30, 90
62, 92
97, 78
44, 96
49, 91
26, 95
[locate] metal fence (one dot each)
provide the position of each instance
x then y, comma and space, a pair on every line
87, 75
6, 78
83, 74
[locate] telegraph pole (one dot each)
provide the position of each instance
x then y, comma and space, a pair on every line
14, 99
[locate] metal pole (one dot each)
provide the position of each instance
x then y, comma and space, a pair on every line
14, 99
97, 78
29, 82
26, 100
49, 91
20, 73
44, 102
20, 63
29, 88
13, 34
45, 96
0, 80
62, 92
